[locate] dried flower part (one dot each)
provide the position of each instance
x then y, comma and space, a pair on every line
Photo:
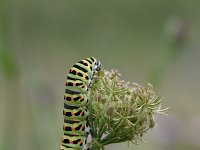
110, 111
120, 111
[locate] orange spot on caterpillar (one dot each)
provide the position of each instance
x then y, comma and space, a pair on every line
71, 98
64, 112
81, 113
74, 84
64, 127
70, 141
73, 128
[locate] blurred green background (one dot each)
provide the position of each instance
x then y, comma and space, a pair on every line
155, 41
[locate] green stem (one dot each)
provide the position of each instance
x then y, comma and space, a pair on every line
112, 134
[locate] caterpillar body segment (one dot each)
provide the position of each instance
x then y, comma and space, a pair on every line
76, 99
75, 128
77, 86
75, 142
79, 113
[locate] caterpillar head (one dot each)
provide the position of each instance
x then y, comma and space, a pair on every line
97, 64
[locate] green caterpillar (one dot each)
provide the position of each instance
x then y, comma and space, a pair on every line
76, 99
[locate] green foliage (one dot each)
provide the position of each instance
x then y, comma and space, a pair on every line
120, 111
7, 64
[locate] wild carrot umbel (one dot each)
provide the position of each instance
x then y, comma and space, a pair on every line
120, 111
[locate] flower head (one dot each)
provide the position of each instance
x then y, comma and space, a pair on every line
120, 111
